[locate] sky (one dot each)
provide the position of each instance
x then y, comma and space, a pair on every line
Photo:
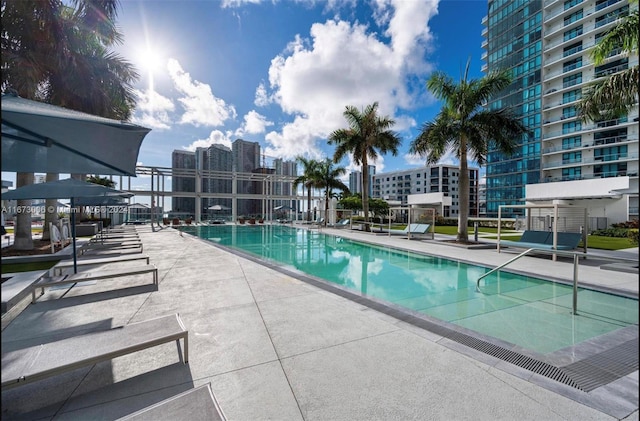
281, 72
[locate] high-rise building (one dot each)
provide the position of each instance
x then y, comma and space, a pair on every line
216, 157
355, 180
181, 159
397, 186
281, 188
546, 44
246, 158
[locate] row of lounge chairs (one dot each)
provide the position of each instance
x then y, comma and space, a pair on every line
34, 363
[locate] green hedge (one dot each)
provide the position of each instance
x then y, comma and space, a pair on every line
612, 232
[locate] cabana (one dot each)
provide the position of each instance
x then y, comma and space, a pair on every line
551, 226
413, 215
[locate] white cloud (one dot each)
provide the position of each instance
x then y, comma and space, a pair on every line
414, 159
345, 64
201, 107
238, 3
216, 136
254, 123
152, 110
262, 98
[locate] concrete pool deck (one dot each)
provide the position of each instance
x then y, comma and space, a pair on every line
275, 347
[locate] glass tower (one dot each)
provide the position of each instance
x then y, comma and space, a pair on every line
547, 45
514, 41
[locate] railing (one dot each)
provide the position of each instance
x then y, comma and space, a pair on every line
574, 254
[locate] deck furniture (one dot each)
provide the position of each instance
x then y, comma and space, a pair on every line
57, 269
198, 404
544, 240
38, 362
47, 282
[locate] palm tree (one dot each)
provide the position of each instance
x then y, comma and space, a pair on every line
465, 127
60, 55
329, 179
613, 96
367, 134
309, 179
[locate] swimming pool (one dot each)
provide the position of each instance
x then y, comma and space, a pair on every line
441, 288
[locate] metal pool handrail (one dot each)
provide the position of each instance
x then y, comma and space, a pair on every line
575, 255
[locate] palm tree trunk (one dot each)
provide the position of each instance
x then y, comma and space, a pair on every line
463, 194
23, 239
365, 191
326, 206
309, 203
50, 217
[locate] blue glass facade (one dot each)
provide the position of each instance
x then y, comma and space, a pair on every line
514, 41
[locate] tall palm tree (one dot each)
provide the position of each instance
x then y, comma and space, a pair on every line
464, 126
613, 96
60, 55
308, 179
329, 179
367, 135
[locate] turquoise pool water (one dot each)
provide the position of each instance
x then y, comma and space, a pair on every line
526, 311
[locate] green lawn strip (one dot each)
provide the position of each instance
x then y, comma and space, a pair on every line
453, 230
26, 267
594, 242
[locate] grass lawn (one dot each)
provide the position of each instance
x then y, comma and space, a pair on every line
26, 267
594, 241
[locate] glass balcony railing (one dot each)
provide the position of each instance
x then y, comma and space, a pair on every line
589, 161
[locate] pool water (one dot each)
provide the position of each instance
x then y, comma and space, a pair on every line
526, 311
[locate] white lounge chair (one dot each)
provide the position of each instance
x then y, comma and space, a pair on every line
197, 404
38, 362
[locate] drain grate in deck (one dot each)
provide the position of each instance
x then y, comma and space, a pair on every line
586, 375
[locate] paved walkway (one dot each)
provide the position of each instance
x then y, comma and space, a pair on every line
274, 347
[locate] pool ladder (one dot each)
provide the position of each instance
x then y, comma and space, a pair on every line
576, 256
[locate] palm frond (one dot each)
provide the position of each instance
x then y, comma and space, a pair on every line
624, 35
610, 98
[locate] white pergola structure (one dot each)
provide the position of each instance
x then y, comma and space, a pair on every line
269, 189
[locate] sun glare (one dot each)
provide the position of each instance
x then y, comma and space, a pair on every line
150, 60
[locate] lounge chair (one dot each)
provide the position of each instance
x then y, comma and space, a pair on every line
38, 362
119, 245
57, 269
48, 282
411, 230
197, 404
342, 223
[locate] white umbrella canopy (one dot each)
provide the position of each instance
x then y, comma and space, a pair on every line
87, 193
39, 137
218, 207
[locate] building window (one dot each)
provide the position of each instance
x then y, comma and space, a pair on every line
612, 16
571, 142
572, 157
572, 33
601, 4
570, 3
572, 49
571, 96
574, 173
611, 68
610, 170
569, 112
612, 153
575, 79
572, 126
610, 136
576, 63
575, 16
